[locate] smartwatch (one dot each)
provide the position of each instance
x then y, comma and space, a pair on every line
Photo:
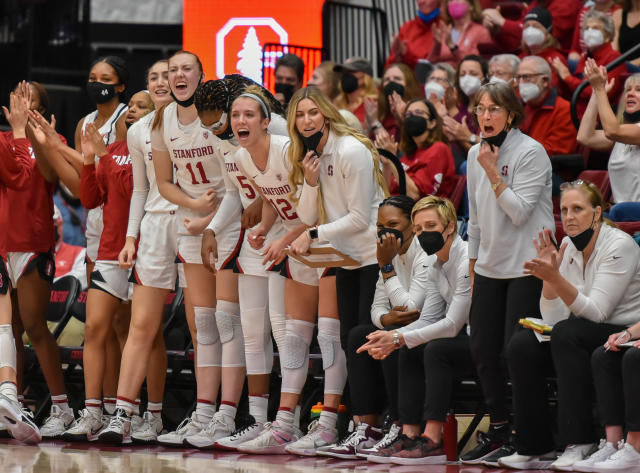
313, 233
387, 268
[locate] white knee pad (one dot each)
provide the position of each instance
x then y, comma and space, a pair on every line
209, 346
294, 360
256, 327
276, 309
230, 329
334, 360
7, 347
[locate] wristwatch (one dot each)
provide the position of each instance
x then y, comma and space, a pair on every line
496, 185
387, 268
313, 233
396, 339
473, 139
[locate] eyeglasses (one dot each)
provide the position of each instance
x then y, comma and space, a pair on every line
493, 110
527, 77
418, 113
440, 79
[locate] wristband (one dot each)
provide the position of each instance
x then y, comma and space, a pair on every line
396, 339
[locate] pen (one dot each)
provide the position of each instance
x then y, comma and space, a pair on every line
618, 340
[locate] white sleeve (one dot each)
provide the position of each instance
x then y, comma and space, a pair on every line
231, 206
140, 182
553, 310
307, 208
380, 304
473, 229
529, 181
413, 297
356, 169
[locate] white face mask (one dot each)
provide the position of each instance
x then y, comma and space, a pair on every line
497, 79
432, 87
529, 91
469, 84
533, 36
593, 38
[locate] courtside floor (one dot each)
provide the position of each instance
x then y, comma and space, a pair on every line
60, 457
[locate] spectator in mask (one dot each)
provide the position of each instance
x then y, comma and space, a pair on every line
415, 38
356, 85
503, 68
577, 43
289, 74
440, 89
597, 32
547, 117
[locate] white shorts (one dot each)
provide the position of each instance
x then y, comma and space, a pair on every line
93, 233
155, 264
110, 278
189, 250
182, 279
19, 263
294, 269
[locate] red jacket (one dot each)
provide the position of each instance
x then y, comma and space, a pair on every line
550, 124
16, 169
419, 38
111, 185
549, 55
603, 56
577, 45
432, 169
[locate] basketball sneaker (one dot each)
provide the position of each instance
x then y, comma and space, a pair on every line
363, 437
318, 436
239, 437
118, 430
272, 440
57, 423
85, 428
189, 426
18, 422
148, 429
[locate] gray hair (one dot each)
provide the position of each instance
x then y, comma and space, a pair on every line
603, 18
446, 67
511, 60
542, 66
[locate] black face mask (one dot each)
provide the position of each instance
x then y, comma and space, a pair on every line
633, 117
284, 89
415, 125
392, 231
100, 92
431, 242
582, 239
349, 83
392, 87
311, 142
497, 140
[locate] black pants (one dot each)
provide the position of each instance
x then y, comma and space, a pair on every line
496, 307
373, 384
572, 343
427, 374
355, 290
617, 379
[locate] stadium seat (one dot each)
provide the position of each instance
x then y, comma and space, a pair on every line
600, 179
63, 295
458, 191
630, 227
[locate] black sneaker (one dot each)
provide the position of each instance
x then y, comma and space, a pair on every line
488, 444
504, 451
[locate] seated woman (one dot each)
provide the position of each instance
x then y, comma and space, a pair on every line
400, 293
623, 139
427, 160
615, 373
434, 349
591, 289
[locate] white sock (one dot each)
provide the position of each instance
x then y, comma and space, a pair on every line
258, 406
61, 401
228, 410
328, 419
205, 409
94, 407
109, 405
9, 389
296, 416
128, 406
285, 419
155, 408
136, 407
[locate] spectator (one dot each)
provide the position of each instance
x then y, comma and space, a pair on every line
69, 258
398, 86
325, 79
460, 32
577, 43
415, 37
504, 67
440, 89
589, 292
509, 184
508, 33
622, 139
597, 32
356, 85
627, 26
547, 117
427, 160
289, 74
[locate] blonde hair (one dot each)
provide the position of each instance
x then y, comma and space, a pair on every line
445, 208
339, 127
256, 90
369, 90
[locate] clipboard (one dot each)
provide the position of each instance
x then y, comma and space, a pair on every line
324, 257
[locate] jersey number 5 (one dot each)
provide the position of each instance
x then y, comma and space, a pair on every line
248, 189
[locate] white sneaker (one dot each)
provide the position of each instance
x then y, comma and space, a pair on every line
190, 426
148, 429
19, 422
318, 436
136, 423
119, 429
85, 428
57, 423
605, 450
387, 440
571, 455
528, 462
271, 441
239, 437
625, 457
218, 428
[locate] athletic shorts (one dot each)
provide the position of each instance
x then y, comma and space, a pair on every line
107, 276
293, 269
20, 263
155, 259
190, 250
182, 279
93, 233
4, 277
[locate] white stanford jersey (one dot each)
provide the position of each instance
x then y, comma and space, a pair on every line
274, 180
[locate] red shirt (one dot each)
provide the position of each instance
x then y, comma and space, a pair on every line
111, 185
31, 212
419, 39
431, 169
16, 169
550, 124
577, 45
66, 256
549, 55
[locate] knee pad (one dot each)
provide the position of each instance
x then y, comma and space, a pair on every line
277, 315
295, 357
209, 346
7, 347
230, 329
258, 349
334, 361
